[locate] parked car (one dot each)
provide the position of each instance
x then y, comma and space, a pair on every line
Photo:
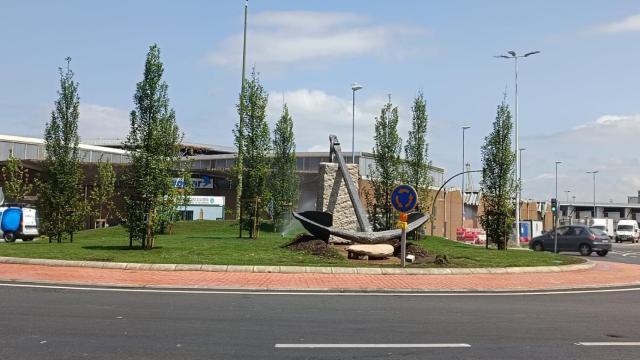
627, 230
578, 238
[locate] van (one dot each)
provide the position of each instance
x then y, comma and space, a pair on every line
605, 225
18, 223
627, 230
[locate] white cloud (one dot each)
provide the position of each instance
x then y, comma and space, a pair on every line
285, 37
611, 130
628, 24
317, 114
605, 144
102, 122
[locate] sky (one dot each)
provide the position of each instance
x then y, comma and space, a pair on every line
579, 99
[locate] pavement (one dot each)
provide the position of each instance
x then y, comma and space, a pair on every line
593, 274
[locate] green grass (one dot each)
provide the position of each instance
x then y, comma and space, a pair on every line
216, 242
463, 255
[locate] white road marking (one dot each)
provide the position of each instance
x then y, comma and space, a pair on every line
366, 346
611, 343
321, 293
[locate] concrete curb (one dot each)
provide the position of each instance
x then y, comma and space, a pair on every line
299, 269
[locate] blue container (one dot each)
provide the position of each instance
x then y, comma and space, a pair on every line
11, 218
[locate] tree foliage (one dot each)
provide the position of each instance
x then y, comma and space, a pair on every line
15, 180
101, 203
498, 186
60, 202
387, 172
154, 148
416, 152
254, 142
283, 181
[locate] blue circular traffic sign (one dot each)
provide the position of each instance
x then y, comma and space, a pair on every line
404, 198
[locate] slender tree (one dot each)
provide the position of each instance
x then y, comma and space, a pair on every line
16, 180
154, 147
417, 153
283, 180
254, 142
498, 186
386, 174
101, 203
59, 201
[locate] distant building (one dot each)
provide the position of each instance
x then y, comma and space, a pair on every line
211, 173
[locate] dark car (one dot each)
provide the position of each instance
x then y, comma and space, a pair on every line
574, 238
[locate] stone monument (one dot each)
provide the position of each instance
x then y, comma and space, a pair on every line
333, 198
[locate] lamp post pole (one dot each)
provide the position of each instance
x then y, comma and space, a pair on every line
555, 221
354, 87
464, 128
239, 158
520, 150
515, 57
594, 172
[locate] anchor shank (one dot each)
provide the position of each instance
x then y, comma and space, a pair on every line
336, 153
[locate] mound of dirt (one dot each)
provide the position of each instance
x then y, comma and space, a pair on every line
311, 245
416, 250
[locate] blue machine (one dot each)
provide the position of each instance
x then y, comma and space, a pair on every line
11, 223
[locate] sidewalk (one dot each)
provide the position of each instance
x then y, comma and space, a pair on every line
603, 274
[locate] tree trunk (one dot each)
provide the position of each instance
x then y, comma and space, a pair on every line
150, 218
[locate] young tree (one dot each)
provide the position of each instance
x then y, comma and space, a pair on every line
498, 186
59, 202
387, 173
417, 153
154, 147
254, 143
283, 180
16, 180
101, 203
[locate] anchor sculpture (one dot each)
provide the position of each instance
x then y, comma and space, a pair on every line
320, 223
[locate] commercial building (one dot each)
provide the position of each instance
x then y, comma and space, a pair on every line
572, 212
211, 171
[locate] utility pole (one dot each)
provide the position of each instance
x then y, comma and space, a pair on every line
240, 156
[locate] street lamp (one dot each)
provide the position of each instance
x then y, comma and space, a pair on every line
464, 128
594, 172
555, 221
515, 57
520, 174
354, 87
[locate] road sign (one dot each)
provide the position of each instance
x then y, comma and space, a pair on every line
404, 198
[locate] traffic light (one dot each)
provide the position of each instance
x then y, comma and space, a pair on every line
554, 206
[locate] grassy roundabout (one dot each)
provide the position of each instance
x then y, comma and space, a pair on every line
216, 242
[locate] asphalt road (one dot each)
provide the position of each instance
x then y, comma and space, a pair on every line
42, 323
628, 253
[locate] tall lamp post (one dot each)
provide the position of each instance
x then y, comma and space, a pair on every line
594, 172
515, 57
464, 128
354, 87
520, 150
555, 221
239, 158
